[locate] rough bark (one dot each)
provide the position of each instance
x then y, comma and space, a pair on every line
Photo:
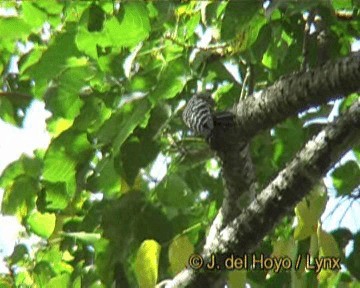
237, 171
285, 98
296, 93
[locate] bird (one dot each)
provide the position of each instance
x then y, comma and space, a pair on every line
200, 117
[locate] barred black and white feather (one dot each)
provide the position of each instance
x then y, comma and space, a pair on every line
198, 114
200, 117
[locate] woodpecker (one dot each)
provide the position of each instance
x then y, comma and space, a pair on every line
200, 117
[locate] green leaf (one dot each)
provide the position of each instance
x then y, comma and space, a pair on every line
342, 5
96, 18
6, 282
327, 244
62, 98
137, 154
12, 28
88, 238
121, 124
346, 178
248, 34
42, 225
353, 261
262, 146
92, 115
142, 108
89, 36
342, 237
7, 111
18, 254
327, 248
308, 213
141, 149
141, 83
147, 263
106, 179
130, 26
53, 60
173, 191
180, 250
50, 6
58, 167
53, 256
23, 278
191, 24
59, 281
171, 82
283, 248
104, 258
23, 166
56, 195
261, 44
43, 272
348, 101
237, 15
87, 41
237, 279
19, 198
65, 152
274, 55
33, 16
147, 222
289, 137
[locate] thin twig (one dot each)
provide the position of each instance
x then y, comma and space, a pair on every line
16, 95
188, 46
305, 48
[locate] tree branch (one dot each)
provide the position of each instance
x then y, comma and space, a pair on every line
296, 93
278, 198
305, 48
237, 171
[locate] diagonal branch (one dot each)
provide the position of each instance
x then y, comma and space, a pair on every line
279, 197
265, 109
298, 92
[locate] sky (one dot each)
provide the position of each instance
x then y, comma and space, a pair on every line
14, 142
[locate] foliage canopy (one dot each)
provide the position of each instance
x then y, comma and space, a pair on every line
114, 76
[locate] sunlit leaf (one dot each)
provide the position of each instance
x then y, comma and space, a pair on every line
130, 27
19, 198
328, 249
13, 28
237, 278
63, 98
346, 178
59, 281
308, 213
172, 81
146, 263
53, 60
42, 224
23, 166
237, 15
180, 250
